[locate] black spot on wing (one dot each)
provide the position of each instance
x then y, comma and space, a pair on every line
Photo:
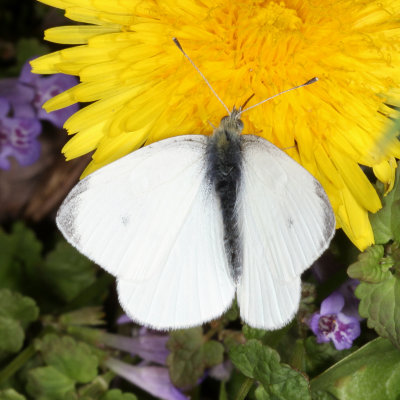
125, 220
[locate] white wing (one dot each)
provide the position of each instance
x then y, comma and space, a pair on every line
151, 220
287, 223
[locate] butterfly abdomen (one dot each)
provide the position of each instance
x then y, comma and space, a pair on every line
224, 161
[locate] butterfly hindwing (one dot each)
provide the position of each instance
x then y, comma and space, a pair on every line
287, 223
151, 220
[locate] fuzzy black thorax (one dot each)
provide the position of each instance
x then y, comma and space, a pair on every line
224, 160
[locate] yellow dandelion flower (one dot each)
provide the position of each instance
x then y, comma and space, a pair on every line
143, 90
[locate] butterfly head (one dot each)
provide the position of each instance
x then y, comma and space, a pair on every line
232, 122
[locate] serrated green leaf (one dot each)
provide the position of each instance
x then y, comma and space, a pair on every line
76, 360
19, 255
116, 394
253, 333
68, 272
18, 307
372, 372
16, 312
368, 268
48, 383
380, 304
263, 364
11, 394
385, 221
283, 382
11, 336
245, 357
189, 355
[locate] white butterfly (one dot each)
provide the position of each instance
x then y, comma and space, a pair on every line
188, 222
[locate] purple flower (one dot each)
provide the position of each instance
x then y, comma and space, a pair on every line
18, 137
124, 319
21, 101
332, 324
148, 346
44, 89
154, 380
351, 302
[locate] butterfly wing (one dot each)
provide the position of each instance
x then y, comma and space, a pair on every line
287, 224
151, 220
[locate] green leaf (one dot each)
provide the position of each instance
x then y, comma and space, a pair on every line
380, 303
379, 290
19, 255
116, 394
76, 360
190, 354
372, 372
369, 268
245, 357
11, 336
262, 363
321, 395
18, 307
385, 222
83, 316
261, 394
67, 272
253, 333
48, 383
213, 353
16, 311
11, 394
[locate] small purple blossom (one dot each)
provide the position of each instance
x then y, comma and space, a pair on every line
21, 101
331, 324
147, 345
154, 380
44, 89
18, 137
351, 302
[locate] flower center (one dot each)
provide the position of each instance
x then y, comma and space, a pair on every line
277, 17
327, 324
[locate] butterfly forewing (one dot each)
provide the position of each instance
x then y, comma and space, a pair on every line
151, 220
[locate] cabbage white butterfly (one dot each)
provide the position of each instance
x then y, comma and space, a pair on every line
188, 222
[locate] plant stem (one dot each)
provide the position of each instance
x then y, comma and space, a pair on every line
244, 389
17, 363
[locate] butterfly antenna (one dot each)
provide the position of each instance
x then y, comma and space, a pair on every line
244, 104
201, 74
313, 80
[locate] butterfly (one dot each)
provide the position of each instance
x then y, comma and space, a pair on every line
189, 223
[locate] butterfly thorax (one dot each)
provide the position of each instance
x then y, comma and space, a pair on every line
224, 161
